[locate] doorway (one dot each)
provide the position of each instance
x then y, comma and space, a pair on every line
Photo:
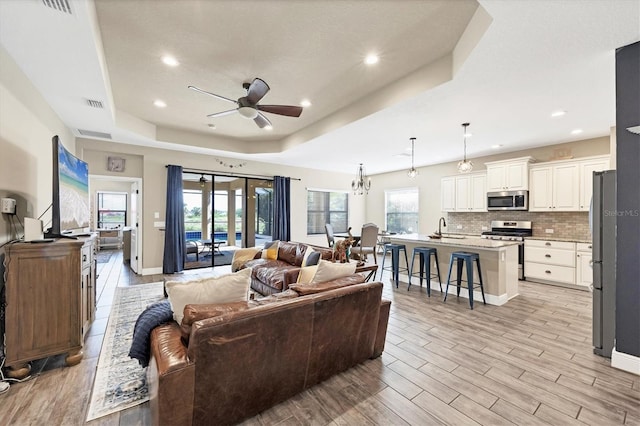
222, 214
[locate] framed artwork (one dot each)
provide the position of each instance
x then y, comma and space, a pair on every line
115, 164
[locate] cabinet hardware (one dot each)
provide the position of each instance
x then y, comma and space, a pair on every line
547, 255
547, 244
547, 271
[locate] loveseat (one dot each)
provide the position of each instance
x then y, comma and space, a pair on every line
268, 275
227, 362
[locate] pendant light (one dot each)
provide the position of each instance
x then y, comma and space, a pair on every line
465, 166
412, 173
361, 183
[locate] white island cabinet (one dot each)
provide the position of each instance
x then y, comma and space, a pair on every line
498, 259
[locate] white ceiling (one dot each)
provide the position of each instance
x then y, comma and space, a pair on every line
514, 63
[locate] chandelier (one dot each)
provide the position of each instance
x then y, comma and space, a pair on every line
465, 166
412, 171
361, 183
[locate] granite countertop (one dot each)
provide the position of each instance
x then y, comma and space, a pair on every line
567, 240
455, 240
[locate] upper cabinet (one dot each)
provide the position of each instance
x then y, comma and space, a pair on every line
554, 187
587, 167
508, 175
564, 185
464, 193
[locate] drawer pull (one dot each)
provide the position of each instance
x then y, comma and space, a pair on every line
547, 244
590, 247
84, 257
547, 255
547, 271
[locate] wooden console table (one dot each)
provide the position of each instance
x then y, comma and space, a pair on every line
50, 297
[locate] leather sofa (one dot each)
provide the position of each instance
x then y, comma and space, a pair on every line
267, 275
229, 362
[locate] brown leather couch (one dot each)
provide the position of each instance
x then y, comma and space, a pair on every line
229, 362
267, 276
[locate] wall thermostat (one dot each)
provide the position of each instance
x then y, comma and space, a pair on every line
8, 206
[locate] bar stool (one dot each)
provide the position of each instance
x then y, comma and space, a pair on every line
460, 257
395, 261
425, 266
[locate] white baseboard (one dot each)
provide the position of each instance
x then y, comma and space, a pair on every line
625, 362
152, 271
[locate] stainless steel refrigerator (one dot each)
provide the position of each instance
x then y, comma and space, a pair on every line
603, 230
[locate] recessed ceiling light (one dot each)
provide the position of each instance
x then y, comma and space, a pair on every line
576, 131
159, 103
170, 60
212, 126
496, 146
558, 113
305, 103
371, 59
268, 127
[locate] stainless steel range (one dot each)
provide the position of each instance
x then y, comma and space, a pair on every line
511, 231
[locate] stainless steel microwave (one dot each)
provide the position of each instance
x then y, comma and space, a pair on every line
508, 200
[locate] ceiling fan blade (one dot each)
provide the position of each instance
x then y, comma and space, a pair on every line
223, 113
256, 91
288, 110
262, 121
222, 98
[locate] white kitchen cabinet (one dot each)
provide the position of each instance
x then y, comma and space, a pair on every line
584, 265
508, 175
554, 187
550, 261
587, 167
464, 193
448, 194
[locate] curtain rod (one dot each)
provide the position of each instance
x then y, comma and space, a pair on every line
231, 174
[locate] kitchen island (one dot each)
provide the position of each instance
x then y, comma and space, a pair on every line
498, 259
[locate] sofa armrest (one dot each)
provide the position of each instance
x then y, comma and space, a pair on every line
290, 277
381, 334
243, 255
304, 289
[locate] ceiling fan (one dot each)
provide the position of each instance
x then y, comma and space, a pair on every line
248, 107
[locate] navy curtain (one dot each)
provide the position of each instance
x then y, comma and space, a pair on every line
281, 208
174, 237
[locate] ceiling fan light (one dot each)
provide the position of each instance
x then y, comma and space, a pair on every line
248, 112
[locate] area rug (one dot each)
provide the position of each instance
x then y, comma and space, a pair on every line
103, 256
219, 259
120, 381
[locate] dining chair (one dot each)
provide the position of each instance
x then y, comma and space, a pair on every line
329, 230
368, 242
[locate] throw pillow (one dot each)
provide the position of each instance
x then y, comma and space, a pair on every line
270, 250
328, 271
311, 257
306, 274
226, 288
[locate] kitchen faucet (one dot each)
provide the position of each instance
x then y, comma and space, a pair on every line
441, 222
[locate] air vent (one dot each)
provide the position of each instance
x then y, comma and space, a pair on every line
95, 104
93, 134
59, 5
635, 129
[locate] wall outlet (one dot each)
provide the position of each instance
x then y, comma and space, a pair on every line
548, 231
8, 206
484, 228
459, 227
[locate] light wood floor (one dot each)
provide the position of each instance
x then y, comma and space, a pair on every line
527, 362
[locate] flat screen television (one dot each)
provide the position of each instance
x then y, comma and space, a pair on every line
70, 208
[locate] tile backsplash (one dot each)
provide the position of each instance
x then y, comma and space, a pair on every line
572, 225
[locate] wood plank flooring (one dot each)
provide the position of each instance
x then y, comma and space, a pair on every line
529, 362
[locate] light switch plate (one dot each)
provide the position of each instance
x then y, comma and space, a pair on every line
459, 227
156, 215
159, 224
548, 231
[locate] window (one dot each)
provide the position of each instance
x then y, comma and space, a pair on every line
402, 210
112, 210
327, 207
192, 213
